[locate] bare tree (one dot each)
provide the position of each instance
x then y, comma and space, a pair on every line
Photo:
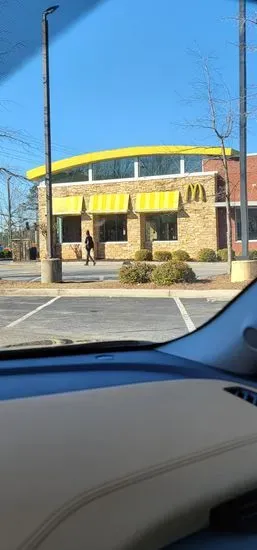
14, 201
218, 119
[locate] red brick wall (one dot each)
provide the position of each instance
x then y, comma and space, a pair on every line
234, 177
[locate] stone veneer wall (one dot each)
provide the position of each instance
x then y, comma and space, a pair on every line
196, 220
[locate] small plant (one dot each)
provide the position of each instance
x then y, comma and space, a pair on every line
173, 272
143, 255
222, 255
136, 273
162, 255
253, 254
207, 255
181, 256
6, 253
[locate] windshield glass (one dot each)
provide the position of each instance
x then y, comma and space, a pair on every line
128, 167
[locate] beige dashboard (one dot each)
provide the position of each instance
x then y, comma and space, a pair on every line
136, 466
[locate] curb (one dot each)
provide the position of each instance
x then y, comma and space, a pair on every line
215, 294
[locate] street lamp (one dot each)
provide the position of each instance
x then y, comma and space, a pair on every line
47, 130
243, 127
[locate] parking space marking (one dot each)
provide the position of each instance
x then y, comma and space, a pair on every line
14, 323
35, 279
186, 317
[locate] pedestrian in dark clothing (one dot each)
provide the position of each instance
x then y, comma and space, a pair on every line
89, 244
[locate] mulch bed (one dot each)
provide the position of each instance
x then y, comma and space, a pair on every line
218, 282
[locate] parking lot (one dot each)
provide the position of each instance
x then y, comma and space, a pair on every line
33, 319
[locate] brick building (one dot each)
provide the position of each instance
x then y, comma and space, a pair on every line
234, 179
155, 197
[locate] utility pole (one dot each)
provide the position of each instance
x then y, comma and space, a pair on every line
51, 268
47, 131
8, 180
243, 129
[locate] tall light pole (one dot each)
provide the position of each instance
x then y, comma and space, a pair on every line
243, 127
8, 180
47, 131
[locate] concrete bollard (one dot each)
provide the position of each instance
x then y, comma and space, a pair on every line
51, 271
243, 270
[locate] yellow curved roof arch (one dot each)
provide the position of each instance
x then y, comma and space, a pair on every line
125, 152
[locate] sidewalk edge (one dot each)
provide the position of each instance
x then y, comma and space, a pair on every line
220, 294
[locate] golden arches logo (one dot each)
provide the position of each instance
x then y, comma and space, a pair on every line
194, 190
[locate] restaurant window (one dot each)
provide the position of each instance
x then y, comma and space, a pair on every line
74, 174
193, 163
71, 229
252, 224
161, 227
159, 165
113, 169
113, 228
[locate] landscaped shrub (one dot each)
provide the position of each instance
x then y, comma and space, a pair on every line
143, 255
6, 253
162, 255
253, 254
207, 255
222, 255
173, 272
136, 273
180, 256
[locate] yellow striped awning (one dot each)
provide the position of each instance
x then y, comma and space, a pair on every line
67, 206
109, 203
158, 201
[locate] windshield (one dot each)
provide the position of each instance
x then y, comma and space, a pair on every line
128, 168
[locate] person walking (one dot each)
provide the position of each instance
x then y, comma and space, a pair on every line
89, 244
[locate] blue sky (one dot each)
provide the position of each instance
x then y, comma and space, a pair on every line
121, 76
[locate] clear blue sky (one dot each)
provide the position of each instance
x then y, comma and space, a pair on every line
119, 77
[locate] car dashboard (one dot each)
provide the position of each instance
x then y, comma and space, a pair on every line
119, 450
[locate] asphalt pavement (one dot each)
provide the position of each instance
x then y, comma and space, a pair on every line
103, 271
24, 320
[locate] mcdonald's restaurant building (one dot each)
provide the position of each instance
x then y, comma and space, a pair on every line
154, 197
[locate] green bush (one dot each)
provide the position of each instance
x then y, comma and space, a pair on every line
143, 255
162, 256
181, 256
173, 272
222, 255
253, 254
207, 255
136, 273
5, 253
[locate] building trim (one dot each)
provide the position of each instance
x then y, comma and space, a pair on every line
123, 180
235, 203
163, 241
126, 152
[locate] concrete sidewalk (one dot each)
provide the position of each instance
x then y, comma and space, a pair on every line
216, 294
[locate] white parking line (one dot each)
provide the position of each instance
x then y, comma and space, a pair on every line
14, 323
186, 317
35, 279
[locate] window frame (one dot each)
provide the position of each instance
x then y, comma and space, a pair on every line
238, 220
160, 157
55, 176
116, 217
189, 157
60, 236
129, 160
159, 215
